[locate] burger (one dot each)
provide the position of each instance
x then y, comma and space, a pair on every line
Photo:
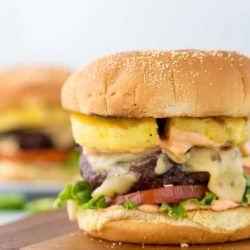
36, 144
164, 147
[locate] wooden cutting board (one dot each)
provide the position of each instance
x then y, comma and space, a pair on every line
53, 231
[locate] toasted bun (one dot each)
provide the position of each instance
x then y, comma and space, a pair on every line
31, 84
162, 84
135, 226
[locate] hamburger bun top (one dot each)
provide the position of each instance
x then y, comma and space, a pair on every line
23, 85
162, 84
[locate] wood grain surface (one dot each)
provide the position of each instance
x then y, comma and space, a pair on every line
53, 231
79, 241
35, 229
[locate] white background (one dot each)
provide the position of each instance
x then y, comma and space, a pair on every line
72, 32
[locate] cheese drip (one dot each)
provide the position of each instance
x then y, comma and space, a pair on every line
117, 182
119, 179
118, 168
225, 168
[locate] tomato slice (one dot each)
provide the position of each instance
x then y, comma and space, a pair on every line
171, 194
50, 155
246, 169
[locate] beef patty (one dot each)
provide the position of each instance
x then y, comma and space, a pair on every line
147, 178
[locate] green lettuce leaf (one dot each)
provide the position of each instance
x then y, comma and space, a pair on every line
129, 204
80, 192
94, 203
179, 210
246, 196
207, 200
247, 176
174, 210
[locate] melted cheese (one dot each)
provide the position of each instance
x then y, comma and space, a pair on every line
118, 182
225, 168
106, 162
119, 179
163, 164
177, 158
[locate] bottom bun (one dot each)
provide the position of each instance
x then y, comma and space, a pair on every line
37, 172
136, 226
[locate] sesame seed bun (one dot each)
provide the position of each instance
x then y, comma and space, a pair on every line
24, 85
162, 84
135, 226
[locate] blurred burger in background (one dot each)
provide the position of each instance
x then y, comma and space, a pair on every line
35, 139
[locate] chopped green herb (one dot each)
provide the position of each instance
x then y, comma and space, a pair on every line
207, 200
95, 203
174, 210
179, 209
129, 204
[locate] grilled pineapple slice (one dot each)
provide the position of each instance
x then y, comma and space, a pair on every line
114, 134
225, 131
